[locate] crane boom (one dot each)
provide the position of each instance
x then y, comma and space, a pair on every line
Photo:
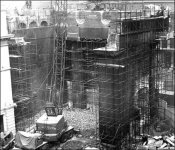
57, 79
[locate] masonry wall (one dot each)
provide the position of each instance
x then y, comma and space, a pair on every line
166, 112
6, 101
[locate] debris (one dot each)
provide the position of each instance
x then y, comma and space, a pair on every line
141, 147
73, 145
157, 137
91, 137
168, 148
151, 141
166, 141
169, 141
172, 139
6, 140
158, 143
15, 148
79, 135
80, 119
98, 139
163, 145
91, 148
77, 131
152, 147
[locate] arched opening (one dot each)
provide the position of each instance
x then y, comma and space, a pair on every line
33, 24
44, 23
22, 25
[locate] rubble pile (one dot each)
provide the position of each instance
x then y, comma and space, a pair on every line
77, 143
158, 142
80, 119
73, 145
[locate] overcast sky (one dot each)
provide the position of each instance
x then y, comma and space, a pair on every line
10, 5
19, 4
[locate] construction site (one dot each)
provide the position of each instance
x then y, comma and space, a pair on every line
103, 69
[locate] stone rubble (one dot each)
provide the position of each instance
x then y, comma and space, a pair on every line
158, 143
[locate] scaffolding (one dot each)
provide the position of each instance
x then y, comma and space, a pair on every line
166, 77
56, 83
30, 62
37, 72
21, 71
122, 69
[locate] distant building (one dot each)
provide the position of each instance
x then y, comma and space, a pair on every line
19, 16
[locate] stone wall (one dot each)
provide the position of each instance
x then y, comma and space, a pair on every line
6, 101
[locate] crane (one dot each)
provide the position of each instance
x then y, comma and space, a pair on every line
57, 79
53, 124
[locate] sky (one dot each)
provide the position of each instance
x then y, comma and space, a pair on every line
10, 4
19, 4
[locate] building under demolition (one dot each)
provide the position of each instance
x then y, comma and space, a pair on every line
119, 63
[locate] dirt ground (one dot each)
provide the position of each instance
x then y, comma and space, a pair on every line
84, 121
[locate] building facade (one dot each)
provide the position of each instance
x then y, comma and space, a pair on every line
7, 119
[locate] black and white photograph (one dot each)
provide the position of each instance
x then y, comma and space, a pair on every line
87, 75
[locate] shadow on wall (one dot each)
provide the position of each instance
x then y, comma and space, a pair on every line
32, 24
44, 23
22, 26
